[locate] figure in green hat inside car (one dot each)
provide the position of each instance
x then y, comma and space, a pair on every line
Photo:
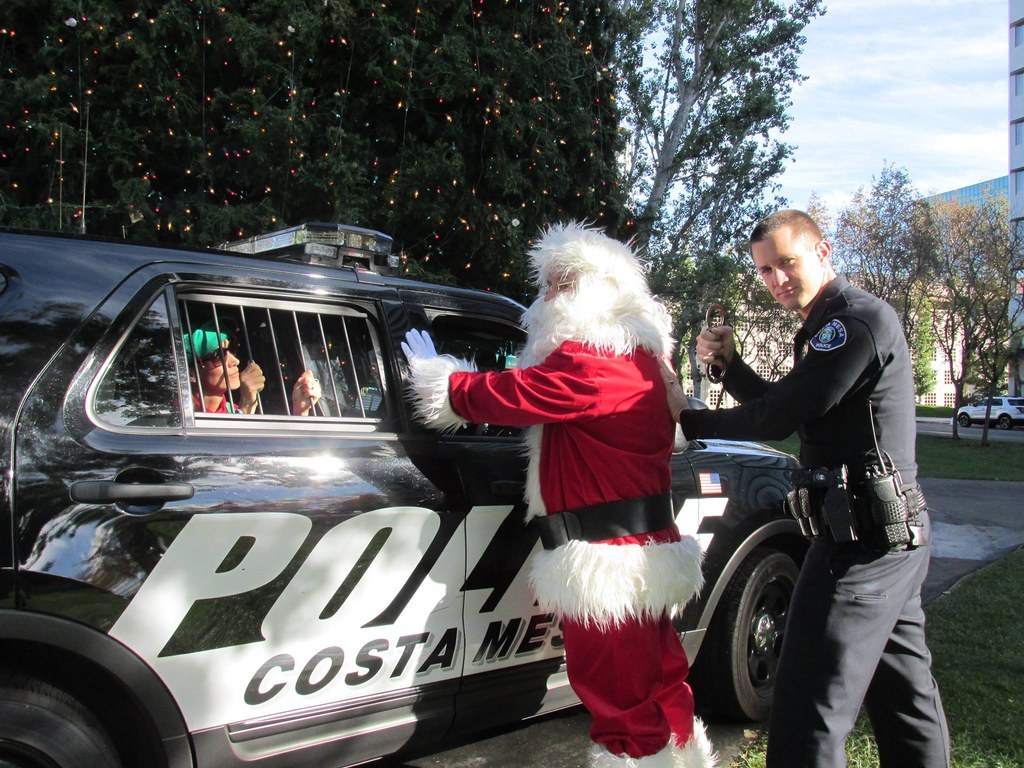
215, 376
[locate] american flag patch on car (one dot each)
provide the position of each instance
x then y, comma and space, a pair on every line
710, 483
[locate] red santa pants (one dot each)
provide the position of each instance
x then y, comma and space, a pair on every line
631, 677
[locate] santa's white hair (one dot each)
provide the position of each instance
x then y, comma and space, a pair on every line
610, 307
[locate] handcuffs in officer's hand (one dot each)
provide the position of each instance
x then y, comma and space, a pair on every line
714, 317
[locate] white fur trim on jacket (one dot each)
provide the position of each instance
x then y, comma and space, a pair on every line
428, 383
604, 584
532, 437
696, 753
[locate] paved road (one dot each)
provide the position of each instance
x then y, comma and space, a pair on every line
942, 428
974, 522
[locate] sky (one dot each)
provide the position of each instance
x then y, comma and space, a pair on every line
917, 84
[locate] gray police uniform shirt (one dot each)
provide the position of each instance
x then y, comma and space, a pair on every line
850, 350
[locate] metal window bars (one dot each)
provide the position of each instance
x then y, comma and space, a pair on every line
337, 343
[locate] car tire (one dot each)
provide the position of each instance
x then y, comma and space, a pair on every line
963, 420
735, 672
1004, 421
42, 726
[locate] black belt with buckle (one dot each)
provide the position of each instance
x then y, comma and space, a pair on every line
609, 520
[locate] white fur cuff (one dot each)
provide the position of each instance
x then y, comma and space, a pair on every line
429, 388
606, 584
696, 753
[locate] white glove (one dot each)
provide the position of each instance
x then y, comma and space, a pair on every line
418, 345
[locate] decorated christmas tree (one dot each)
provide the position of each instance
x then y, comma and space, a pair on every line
458, 128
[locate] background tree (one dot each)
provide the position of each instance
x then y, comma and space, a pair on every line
457, 128
173, 121
705, 87
979, 263
877, 242
509, 123
1002, 314
922, 347
818, 210
881, 248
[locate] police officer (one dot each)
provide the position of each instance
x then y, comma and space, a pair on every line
855, 633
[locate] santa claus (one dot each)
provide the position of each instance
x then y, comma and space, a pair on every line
613, 565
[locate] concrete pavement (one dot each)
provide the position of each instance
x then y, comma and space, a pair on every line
974, 522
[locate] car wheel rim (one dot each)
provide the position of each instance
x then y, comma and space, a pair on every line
18, 755
765, 637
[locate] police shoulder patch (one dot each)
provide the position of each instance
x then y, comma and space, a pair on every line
832, 336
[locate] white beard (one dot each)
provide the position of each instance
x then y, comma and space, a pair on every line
598, 314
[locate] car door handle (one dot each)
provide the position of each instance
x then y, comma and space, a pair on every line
107, 491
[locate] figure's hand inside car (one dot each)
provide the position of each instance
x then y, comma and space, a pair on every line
250, 383
305, 394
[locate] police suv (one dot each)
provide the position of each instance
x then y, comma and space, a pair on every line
181, 587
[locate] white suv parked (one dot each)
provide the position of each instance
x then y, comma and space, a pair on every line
1006, 413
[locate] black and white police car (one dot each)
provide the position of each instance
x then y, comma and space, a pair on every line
183, 588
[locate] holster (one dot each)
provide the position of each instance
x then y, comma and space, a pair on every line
821, 504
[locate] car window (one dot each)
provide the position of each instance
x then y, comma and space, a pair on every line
1017, 401
339, 344
140, 388
491, 345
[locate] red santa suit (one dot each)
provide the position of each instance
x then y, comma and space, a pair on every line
590, 390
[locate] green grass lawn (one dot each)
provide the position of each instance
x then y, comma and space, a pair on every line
961, 459
974, 633
968, 460
935, 411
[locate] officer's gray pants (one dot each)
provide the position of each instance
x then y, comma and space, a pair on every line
855, 634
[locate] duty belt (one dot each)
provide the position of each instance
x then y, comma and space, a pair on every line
826, 506
610, 520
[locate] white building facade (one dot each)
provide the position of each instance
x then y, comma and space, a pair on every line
1016, 111
1015, 190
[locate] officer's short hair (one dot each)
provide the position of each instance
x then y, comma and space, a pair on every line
800, 222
